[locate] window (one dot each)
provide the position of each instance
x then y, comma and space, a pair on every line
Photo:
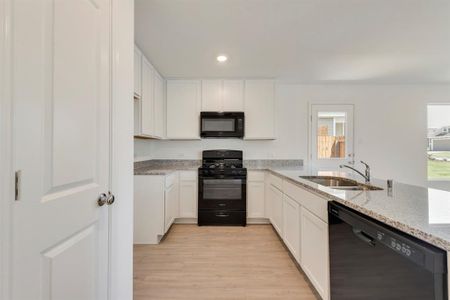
438, 142
331, 134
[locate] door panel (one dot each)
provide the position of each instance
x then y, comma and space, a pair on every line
61, 141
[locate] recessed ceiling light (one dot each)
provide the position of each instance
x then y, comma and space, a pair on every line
222, 58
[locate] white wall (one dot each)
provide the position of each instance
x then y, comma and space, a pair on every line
390, 127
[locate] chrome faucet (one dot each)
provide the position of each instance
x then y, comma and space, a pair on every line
367, 171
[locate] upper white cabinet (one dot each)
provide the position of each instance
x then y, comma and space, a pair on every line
160, 111
211, 95
137, 72
259, 108
186, 98
149, 99
233, 95
222, 95
183, 109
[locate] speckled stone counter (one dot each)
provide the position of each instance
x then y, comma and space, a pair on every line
418, 211
165, 167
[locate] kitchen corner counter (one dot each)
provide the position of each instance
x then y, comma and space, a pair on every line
421, 212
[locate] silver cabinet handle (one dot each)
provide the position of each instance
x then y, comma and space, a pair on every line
110, 199
102, 199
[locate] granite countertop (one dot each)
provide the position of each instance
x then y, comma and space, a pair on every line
419, 211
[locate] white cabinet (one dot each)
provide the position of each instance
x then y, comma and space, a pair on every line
188, 194
149, 102
314, 251
211, 95
160, 111
183, 109
255, 194
233, 95
259, 108
137, 72
147, 99
291, 226
276, 199
171, 203
222, 95
149, 207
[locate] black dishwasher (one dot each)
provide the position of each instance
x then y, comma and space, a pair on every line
370, 260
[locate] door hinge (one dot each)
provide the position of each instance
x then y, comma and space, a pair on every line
17, 183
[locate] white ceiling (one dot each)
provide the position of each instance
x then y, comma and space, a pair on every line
386, 41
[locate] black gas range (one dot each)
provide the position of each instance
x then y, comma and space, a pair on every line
222, 185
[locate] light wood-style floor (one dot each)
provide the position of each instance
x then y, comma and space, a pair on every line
226, 263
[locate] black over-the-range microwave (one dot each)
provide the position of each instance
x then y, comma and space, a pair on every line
222, 124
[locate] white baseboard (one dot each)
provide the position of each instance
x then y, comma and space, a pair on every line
186, 221
254, 221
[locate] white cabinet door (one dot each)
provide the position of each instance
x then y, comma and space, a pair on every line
183, 109
137, 72
277, 209
148, 103
159, 114
212, 95
314, 251
171, 206
233, 95
259, 107
188, 194
149, 207
255, 194
255, 198
188, 199
291, 228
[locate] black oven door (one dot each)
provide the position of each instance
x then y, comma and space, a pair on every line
222, 124
222, 193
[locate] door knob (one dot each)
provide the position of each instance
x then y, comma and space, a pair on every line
102, 199
110, 198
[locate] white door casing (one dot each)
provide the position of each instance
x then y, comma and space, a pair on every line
61, 89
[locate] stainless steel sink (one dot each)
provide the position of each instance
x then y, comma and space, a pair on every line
340, 183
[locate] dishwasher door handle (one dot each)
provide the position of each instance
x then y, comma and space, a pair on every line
363, 237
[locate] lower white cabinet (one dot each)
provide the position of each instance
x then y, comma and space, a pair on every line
314, 251
276, 199
291, 226
255, 194
149, 208
171, 203
188, 194
156, 206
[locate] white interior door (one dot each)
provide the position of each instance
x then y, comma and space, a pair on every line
61, 68
331, 137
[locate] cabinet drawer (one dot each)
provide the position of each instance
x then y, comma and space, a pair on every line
276, 181
221, 217
315, 204
188, 175
171, 179
255, 176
